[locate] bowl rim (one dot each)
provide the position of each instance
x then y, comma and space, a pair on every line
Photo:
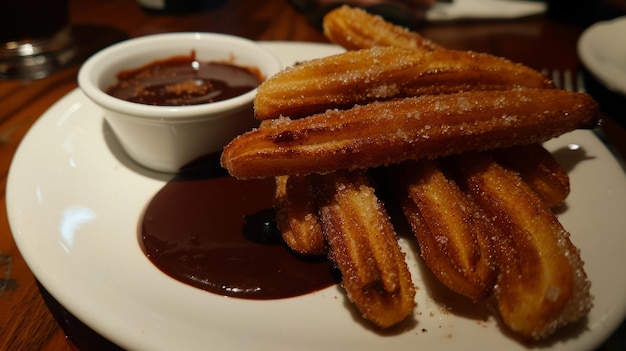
151, 112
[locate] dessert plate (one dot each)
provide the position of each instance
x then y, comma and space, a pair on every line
75, 202
602, 48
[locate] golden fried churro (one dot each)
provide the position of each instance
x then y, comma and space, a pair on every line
382, 73
382, 133
452, 231
354, 28
296, 215
541, 281
364, 246
539, 169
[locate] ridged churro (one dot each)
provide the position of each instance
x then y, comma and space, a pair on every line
541, 282
383, 73
364, 246
354, 28
296, 215
453, 233
539, 169
382, 133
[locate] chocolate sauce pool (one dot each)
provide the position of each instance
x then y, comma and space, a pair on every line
216, 233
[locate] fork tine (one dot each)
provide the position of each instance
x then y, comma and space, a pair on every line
556, 78
580, 82
568, 81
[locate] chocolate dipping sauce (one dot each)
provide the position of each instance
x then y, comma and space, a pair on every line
183, 80
216, 233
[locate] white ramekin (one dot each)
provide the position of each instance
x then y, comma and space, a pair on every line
165, 138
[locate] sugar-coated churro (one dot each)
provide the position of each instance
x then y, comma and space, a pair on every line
541, 282
382, 133
539, 169
452, 231
296, 215
354, 28
382, 73
364, 246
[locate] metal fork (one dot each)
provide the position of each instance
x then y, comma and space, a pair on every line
566, 79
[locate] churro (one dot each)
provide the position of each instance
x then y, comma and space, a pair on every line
383, 73
539, 169
364, 246
452, 231
382, 133
541, 283
296, 215
354, 28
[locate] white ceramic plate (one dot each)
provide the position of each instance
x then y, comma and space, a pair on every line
75, 202
602, 48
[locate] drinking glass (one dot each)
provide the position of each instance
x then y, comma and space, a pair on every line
35, 38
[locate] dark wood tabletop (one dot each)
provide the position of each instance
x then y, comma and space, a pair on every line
30, 319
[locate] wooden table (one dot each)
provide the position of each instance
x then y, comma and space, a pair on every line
26, 321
